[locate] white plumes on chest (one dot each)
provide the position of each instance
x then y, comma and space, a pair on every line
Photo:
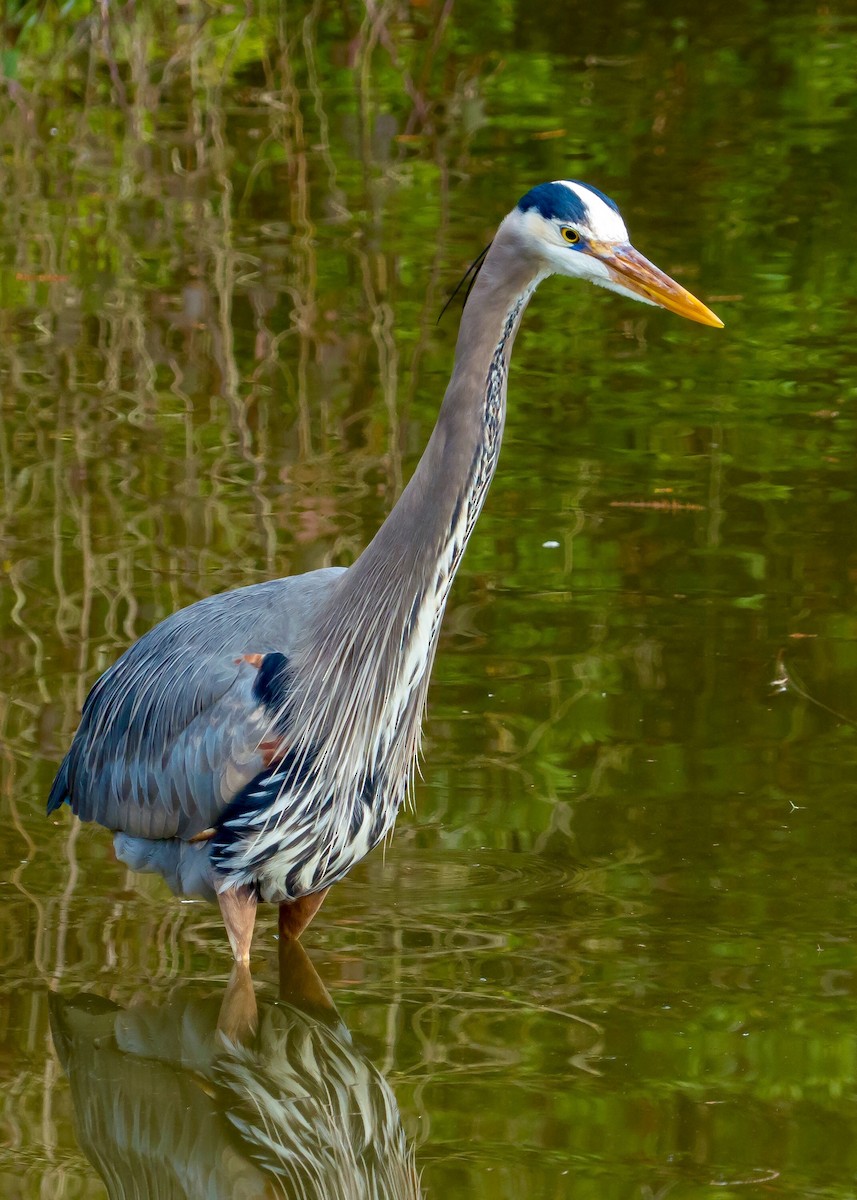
420, 638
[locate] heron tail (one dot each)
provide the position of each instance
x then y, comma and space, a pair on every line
59, 789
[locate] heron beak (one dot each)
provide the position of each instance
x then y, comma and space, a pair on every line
631, 271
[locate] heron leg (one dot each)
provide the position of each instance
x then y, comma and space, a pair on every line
295, 915
238, 909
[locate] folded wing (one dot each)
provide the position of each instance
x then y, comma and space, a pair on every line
175, 729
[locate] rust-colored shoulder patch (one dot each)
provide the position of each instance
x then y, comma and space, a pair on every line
255, 660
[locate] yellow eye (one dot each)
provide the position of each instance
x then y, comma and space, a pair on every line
570, 235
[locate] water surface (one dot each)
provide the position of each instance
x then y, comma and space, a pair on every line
611, 954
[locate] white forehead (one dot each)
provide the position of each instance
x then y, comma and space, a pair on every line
603, 222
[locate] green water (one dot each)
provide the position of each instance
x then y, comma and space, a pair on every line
612, 953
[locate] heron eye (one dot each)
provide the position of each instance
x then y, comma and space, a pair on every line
570, 235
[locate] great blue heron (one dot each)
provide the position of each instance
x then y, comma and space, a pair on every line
259, 743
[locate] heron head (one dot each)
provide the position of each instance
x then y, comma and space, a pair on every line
579, 231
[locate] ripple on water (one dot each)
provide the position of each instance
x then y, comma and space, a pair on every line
488, 878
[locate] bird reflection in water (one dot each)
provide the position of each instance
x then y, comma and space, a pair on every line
214, 1098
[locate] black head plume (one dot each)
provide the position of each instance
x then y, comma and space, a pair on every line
469, 277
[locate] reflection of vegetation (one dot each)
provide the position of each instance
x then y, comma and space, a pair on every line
225, 235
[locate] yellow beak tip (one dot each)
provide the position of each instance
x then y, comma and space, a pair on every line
636, 274
713, 320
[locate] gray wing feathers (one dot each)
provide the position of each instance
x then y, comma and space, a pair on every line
170, 733
157, 770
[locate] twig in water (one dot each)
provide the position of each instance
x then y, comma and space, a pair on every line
786, 682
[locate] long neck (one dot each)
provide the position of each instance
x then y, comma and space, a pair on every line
369, 654
436, 512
